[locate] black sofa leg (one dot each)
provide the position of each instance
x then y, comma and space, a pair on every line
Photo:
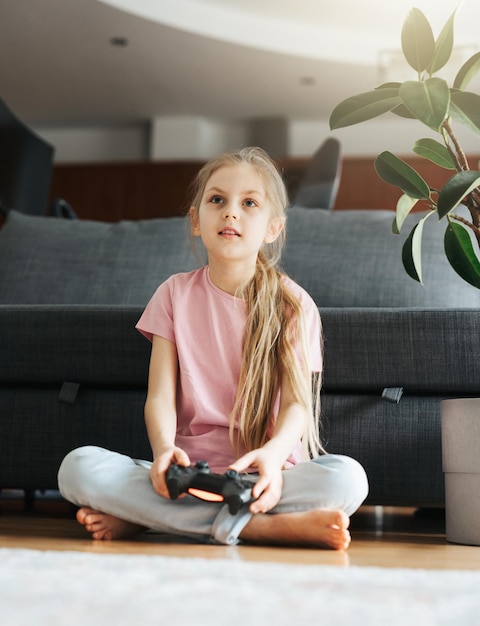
29, 500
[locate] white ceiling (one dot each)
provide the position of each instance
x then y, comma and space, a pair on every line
223, 59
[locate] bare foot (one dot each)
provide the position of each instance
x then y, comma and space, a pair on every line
106, 527
319, 528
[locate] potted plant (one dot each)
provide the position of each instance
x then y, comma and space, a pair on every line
430, 100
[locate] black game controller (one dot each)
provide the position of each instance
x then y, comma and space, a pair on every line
231, 487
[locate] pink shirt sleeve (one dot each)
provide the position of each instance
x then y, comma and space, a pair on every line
157, 318
313, 325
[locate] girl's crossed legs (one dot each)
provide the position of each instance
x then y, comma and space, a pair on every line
117, 500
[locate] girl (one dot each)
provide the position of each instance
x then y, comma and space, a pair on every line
234, 346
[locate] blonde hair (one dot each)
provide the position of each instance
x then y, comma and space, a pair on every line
275, 335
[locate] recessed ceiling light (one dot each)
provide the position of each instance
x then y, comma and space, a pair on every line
307, 81
121, 42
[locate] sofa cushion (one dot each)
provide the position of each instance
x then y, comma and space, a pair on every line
85, 344
46, 260
351, 259
342, 258
421, 350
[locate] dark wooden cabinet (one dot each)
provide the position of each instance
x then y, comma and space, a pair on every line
142, 190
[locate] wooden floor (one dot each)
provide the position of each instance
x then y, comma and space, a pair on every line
381, 537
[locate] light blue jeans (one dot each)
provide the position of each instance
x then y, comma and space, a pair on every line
118, 485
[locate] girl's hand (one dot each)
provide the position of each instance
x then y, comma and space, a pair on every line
268, 489
161, 464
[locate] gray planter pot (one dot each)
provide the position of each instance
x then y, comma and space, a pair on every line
461, 466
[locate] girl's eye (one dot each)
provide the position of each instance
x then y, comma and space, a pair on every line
216, 199
250, 203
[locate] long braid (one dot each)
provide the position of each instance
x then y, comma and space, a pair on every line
273, 329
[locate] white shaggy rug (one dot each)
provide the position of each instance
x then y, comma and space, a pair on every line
75, 588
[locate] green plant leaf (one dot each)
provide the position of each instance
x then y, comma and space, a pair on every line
412, 253
364, 106
465, 109
435, 152
389, 85
404, 205
455, 190
461, 254
396, 172
468, 70
401, 110
443, 46
418, 43
428, 100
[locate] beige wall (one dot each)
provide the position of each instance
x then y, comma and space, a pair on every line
174, 138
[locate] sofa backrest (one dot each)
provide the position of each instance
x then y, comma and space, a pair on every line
351, 258
47, 260
342, 258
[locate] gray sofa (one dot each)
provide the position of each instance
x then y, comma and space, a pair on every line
73, 369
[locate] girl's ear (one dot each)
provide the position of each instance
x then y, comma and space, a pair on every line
194, 222
274, 229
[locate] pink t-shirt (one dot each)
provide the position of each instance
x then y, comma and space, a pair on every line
207, 324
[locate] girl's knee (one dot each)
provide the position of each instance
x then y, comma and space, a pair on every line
76, 468
349, 472
341, 464
330, 481
78, 459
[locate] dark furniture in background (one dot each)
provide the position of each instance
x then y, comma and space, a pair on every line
319, 186
142, 190
26, 165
